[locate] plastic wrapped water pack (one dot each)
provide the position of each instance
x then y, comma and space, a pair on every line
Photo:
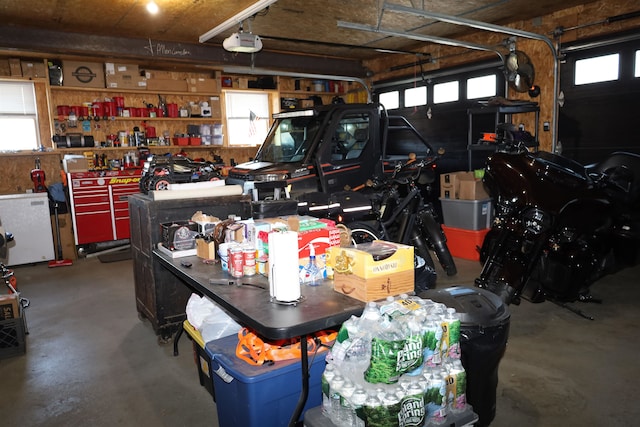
398, 364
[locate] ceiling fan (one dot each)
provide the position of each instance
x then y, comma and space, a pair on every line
520, 73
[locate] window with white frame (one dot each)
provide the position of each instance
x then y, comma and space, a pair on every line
481, 87
390, 100
415, 96
18, 116
247, 117
597, 69
446, 92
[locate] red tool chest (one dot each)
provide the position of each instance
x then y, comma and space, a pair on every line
99, 206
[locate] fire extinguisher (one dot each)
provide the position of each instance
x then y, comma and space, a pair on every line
37, 176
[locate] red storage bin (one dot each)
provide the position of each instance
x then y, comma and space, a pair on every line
464, 243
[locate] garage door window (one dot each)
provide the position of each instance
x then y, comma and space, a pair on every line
597, 69
18, 116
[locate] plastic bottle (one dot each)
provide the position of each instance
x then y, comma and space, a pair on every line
327, 377
456, 386
433, 336
335, 390
311, 272
347, 413
451, 334
358, 398
436, 399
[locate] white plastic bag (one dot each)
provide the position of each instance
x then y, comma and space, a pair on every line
209, 319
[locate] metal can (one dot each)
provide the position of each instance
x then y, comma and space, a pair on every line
249, 261
236, 261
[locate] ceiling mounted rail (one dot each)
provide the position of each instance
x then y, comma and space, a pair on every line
498, 29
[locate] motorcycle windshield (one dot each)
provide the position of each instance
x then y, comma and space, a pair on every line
290, 139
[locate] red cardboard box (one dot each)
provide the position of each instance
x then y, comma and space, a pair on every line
321, 239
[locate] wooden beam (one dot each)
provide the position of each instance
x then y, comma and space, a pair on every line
148, 51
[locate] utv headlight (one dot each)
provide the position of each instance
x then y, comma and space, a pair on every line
536, 221
271, 177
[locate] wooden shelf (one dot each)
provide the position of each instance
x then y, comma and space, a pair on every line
131, 91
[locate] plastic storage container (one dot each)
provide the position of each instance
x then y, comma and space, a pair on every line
12, 338
465, 243
201, 358
467, 214
484, 330
266, 395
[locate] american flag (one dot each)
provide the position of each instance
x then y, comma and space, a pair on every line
253, 118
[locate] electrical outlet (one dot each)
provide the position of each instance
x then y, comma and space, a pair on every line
545, 126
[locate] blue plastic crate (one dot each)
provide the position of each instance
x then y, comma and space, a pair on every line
259, 395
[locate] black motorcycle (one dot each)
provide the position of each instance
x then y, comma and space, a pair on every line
401, 214
559, 226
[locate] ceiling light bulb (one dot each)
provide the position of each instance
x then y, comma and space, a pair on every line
152, 7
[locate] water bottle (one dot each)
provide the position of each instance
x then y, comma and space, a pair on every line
327, 376
335, 390
347, 413
358, 399
456, 386
451, 335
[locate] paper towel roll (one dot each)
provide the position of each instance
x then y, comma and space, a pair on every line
284, 281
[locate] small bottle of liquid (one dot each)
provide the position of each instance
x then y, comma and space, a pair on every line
311, 272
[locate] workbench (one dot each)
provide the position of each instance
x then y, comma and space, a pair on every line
247, 301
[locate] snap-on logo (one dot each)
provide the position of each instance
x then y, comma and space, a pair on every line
128, 180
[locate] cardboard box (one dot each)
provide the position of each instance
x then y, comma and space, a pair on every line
165, 75
305, 103
75, 163
322, 239
126, 81
15, 67
33, 69
112, 68
9, 307
66, 236
202, 85
366, 275
216, 109
461, 185
205, 249
5, 69
168, 85
83, 74
374, 289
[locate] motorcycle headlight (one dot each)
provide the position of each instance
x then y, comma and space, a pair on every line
536, 221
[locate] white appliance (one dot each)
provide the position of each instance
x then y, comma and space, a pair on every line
27, 217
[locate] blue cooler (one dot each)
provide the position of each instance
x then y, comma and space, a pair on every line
260, 396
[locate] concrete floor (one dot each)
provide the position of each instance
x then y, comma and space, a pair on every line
91, 361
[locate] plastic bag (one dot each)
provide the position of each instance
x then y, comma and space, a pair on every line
209, 319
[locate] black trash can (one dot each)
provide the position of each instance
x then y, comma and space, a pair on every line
484, 330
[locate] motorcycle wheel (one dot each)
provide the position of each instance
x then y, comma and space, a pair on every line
363, 233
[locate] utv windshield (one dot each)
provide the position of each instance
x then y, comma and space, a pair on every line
289, 139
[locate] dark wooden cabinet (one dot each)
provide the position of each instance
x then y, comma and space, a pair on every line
160, 296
